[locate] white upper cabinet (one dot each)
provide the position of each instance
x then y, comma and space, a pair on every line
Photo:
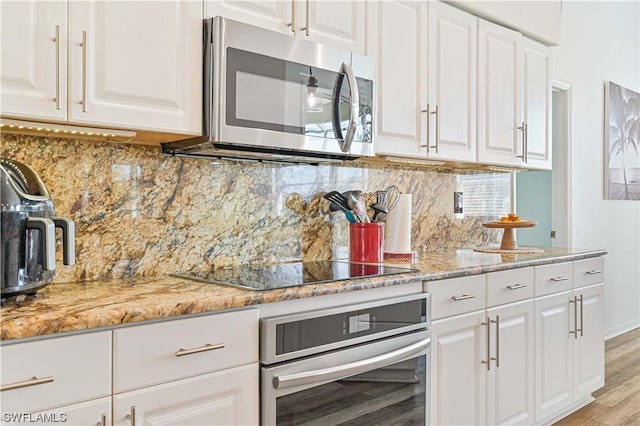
452, 83
136, 64
398, 40
34, 49
115, 64
536, 78
514, 99
427, 88
336, 23
499, 95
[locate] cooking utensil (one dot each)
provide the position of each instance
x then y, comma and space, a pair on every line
379, 212
392, 195
357, 204
340, 202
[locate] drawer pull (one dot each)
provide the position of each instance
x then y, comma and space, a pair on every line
32, 382
205, 348
132, 415
593, 272
463, 297
103, 419
516, 286
556, 279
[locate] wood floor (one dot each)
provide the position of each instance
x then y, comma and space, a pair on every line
618, 402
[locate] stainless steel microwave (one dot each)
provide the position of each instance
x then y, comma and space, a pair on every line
271, 96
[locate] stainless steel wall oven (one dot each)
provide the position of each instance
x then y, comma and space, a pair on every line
362, 364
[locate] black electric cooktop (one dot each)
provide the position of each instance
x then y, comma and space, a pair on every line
282, 275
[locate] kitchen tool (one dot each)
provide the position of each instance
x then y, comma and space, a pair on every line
379, 212
391, 197
366, 242
341, 202
357, 204
333, 207
28, 238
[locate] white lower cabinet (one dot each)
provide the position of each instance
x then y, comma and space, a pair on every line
510, 379
569, 349
518, 347
201, 370
458, 376
194, 371
227, 397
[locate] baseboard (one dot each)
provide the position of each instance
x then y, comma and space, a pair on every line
572, 409
621, 329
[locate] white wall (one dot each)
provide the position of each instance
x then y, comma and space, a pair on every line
601, 41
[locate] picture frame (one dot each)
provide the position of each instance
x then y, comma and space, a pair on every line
621, 143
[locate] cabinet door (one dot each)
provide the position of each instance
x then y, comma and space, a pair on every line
33, 55
94, 412
227, 397
458, 374
452, 83
554, 354
589, 346
273, 15
140, 66
336, 23
510, 383
536, 75
397, 36
499, 95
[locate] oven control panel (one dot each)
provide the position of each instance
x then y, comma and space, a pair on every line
295, 335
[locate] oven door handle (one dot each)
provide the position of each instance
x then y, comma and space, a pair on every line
350, 369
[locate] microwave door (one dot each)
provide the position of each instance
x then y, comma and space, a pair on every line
353, 101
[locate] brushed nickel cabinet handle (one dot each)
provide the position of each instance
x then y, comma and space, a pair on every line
83, 102
581, 316
557, 279
306, 27
497, 357
427, 111
205, 348
56, 38
31, 382
103, 419
463, 297
488, 343
437, 113
292, 24
575, 317
526, 143
523, 128
593, 272
132, 415
516, 286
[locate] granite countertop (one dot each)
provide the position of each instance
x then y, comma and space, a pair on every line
65, 307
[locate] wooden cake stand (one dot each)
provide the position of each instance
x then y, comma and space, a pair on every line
508, 244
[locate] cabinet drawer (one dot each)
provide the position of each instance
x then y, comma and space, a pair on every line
73, 369
145, 355
553, 278
456, 296
588, 271
509, 286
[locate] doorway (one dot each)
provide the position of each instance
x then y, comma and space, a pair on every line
545, 196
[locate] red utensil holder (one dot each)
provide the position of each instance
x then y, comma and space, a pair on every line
366, 242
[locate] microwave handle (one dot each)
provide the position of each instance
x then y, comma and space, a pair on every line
350, 369
354, 105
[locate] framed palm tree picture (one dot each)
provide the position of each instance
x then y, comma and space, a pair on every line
622, 150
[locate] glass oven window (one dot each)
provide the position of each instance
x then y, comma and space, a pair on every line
268, 93
395, 394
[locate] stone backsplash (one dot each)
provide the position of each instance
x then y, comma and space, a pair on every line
139, 213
